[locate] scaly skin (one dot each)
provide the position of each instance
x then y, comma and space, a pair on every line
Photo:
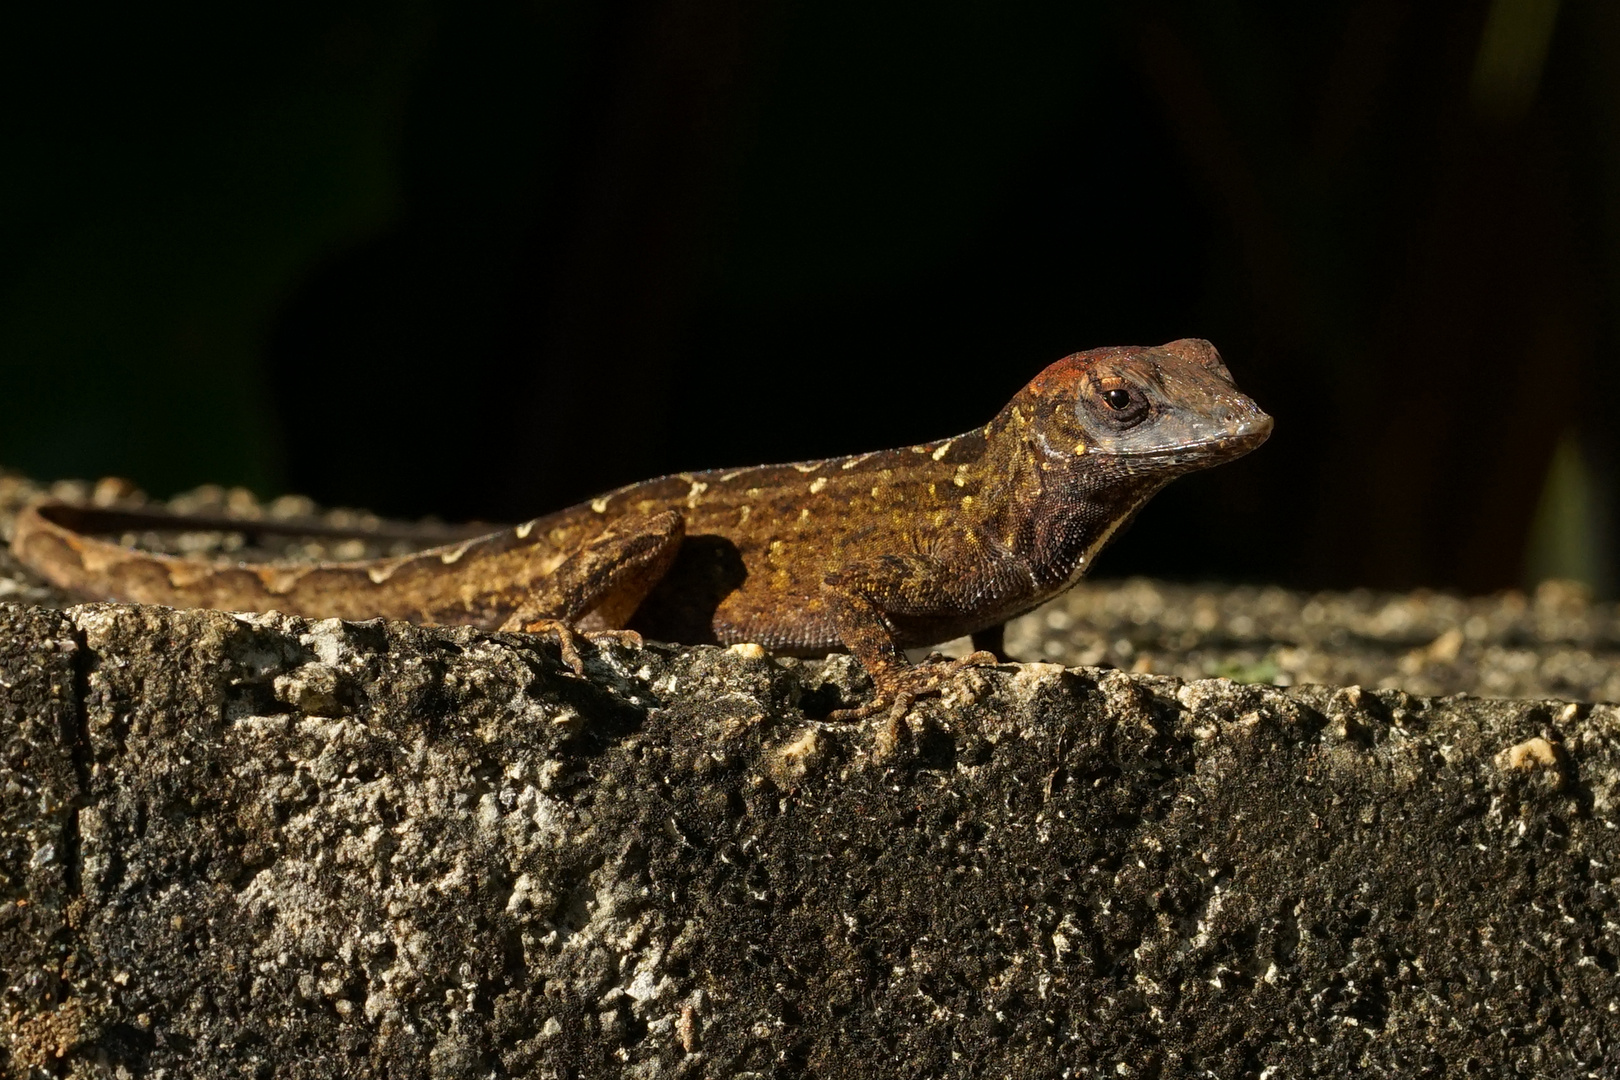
875, 553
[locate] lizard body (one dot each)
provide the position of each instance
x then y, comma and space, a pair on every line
874, 552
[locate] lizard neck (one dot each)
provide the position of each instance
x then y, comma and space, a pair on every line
1056, 512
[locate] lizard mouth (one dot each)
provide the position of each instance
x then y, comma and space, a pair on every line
1231, 443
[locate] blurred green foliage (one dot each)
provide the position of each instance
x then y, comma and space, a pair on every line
1570, 535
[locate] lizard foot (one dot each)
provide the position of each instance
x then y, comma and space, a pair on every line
901, 689
568, 638
895, 729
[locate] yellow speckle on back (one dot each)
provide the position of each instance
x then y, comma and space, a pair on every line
876, 492
522, 531
960, 479
1079, 448
804, 515
742, 514
944, 448
967, 502
692, 497
817, 484
600, 505
807, 466
726, 478
455, 553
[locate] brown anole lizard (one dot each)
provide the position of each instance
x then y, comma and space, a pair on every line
874, 553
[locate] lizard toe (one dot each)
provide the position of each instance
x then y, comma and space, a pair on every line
627, 638
567, 639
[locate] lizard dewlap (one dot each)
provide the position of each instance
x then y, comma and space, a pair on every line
874, 553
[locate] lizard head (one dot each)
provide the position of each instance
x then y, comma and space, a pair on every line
1169, 408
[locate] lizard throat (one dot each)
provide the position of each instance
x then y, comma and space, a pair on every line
1081, 531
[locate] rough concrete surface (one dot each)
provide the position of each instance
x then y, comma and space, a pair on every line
261, 846
1552, 643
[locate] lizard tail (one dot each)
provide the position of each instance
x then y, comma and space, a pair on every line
50, 538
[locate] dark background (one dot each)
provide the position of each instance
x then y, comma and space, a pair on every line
484, 258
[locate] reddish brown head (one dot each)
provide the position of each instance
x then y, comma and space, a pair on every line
1169, 406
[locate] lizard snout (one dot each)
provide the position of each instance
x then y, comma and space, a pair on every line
1248, 424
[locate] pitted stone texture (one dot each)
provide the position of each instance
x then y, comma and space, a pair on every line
39, 805
1556, 642
326, 849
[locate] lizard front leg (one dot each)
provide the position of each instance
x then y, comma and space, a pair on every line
863, 597
602, 583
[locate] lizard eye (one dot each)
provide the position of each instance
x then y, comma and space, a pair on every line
1120, 407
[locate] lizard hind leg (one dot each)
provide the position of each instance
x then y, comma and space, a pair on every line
599, 587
